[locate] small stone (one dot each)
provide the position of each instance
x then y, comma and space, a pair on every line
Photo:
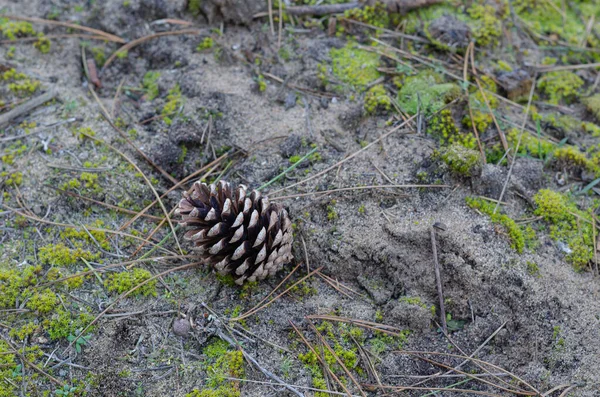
290, 100
448, 32
515, 84
181, 327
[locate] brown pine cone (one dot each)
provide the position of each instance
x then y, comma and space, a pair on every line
235, 232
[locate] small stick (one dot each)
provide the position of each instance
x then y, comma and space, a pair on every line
320, 10
26, 107
438, 281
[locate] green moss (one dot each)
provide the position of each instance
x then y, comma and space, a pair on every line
486, 26
127, 280
99, 55
541, 17
377, 99
442, 127
24, 332
206, 44
60, 255
221, 362
561, 85
504, 66
15, 29
90, 180
376, 15
9, 369
570, 158
530, 145
43, 302
262, 83
355, 67
461, 160
481, 113
62, 323
149, 82
515, 233
331, 211
43, 45
592, 104
24, 87
174, 102
79, 237
15, 285
84, 132
568, 224
533, 269
426, 92
194, 7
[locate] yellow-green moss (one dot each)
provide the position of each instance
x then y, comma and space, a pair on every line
15, 284
426, 92
568, 224
206, 44
174, 102
262, 83
149, 82
221, 362
442, 127
377, 99
530, 145
515, 233
15, 29
125, 281
8, 370
592, 104
99, 56
60, 255
24, 87
80, 236
542, 17
43, 302
481, 113
376, 15
560, 85
63, 323
354, 66
569, 157
43, 45
486, 26
461, 160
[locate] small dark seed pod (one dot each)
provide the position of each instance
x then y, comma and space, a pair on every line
237, 232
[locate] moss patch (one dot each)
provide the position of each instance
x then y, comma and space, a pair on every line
461, 160
426, 92
353, 66
561, 85
568, 225
125, 281
514, 231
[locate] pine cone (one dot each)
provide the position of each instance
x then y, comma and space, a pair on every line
235, 232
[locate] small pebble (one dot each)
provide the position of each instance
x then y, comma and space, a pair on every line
181, 327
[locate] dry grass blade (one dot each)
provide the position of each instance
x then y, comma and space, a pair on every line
321, 360
124, 295
339, 286
261, 306
53, 37
436, 389
470, 376
345, 189
337, 359
107, 36
162, 206
475, 360
336, 165
388, 329
141, 40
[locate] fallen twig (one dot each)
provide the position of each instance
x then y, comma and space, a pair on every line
26, 107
